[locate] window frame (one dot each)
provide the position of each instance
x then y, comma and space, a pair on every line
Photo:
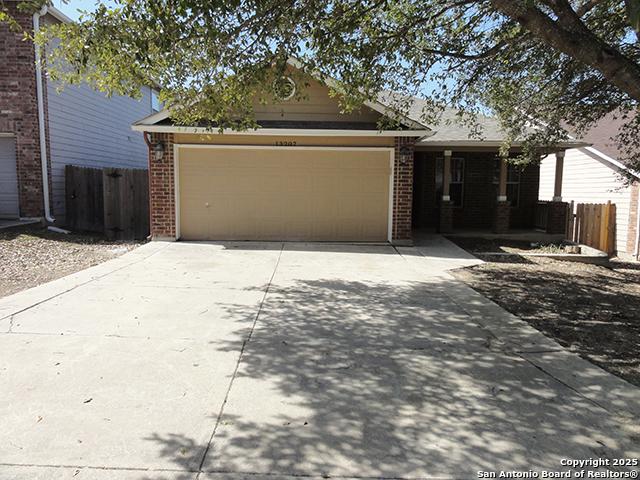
155, 101
511, 168
463, 161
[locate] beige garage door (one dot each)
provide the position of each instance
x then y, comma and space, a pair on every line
283, 194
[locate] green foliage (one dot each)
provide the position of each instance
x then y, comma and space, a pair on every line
215, 58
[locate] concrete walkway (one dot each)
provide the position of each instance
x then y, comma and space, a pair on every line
257, 360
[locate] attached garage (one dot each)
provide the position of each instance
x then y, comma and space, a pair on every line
9, 204
315, 193
309, 171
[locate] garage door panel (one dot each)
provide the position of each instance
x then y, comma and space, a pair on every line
288, 194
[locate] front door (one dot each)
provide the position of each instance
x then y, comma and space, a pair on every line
9, 206
425, 191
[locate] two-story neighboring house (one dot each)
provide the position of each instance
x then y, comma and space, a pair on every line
42, 130
595, 175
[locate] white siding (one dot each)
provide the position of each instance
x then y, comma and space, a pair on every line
588, 180
88, 129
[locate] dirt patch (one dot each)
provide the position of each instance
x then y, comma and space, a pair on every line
589, 309
30, 256
483, 245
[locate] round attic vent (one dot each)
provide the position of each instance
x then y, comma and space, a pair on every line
284, 88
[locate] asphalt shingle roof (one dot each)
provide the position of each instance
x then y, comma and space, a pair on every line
450, 128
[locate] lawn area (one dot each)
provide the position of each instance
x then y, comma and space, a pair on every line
31, 255
591, 310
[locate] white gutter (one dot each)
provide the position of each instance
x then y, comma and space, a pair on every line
303, 132
41, 126
637, 249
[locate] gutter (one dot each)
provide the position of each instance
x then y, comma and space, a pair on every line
41, 125
637, 249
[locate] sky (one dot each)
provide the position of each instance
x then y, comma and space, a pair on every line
70, 7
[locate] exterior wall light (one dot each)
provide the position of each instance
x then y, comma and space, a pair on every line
406, 154
158, 151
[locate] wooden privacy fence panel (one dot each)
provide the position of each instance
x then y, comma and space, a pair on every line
84, 202
126, 203
595, 225
113, 201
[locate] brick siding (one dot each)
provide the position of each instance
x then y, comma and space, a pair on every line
557, 217
446, 217
634, 210
479, 193
402, 189
501, 217
162, 203
19, 110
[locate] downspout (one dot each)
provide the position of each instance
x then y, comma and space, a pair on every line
41, 125
147, 140
637, 249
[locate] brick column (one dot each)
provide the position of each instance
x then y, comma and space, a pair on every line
446, 217
402, 189
557, 217
502, 217
162, 206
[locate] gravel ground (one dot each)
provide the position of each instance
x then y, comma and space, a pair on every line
591, 310
33, 255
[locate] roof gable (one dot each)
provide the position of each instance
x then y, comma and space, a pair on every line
317, 109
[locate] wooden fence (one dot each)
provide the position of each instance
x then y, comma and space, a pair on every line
113, 201
594, 224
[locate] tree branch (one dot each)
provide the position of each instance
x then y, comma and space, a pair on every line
586, 7
577, 42
465, 56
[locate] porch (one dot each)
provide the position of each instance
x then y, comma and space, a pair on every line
477, 190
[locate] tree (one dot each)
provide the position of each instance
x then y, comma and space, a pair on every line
556, 62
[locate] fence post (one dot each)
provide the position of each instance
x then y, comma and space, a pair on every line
570, 222
611, 228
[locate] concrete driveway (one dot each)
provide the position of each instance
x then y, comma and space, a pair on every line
220, 361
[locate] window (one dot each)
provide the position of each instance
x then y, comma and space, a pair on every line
155, 101
513, 182
456, 187
456, 184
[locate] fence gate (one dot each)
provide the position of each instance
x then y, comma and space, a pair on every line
113, 201
84, 201
126, 203
595, 225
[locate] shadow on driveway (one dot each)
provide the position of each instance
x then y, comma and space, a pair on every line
392, 380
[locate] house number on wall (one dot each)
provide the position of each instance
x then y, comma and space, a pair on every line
285, 143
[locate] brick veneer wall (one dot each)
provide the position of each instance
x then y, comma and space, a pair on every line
446, 217
502, 217
480, 193
557, 217
634, 210
402, 189
162, 205
523, 215
19, 109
